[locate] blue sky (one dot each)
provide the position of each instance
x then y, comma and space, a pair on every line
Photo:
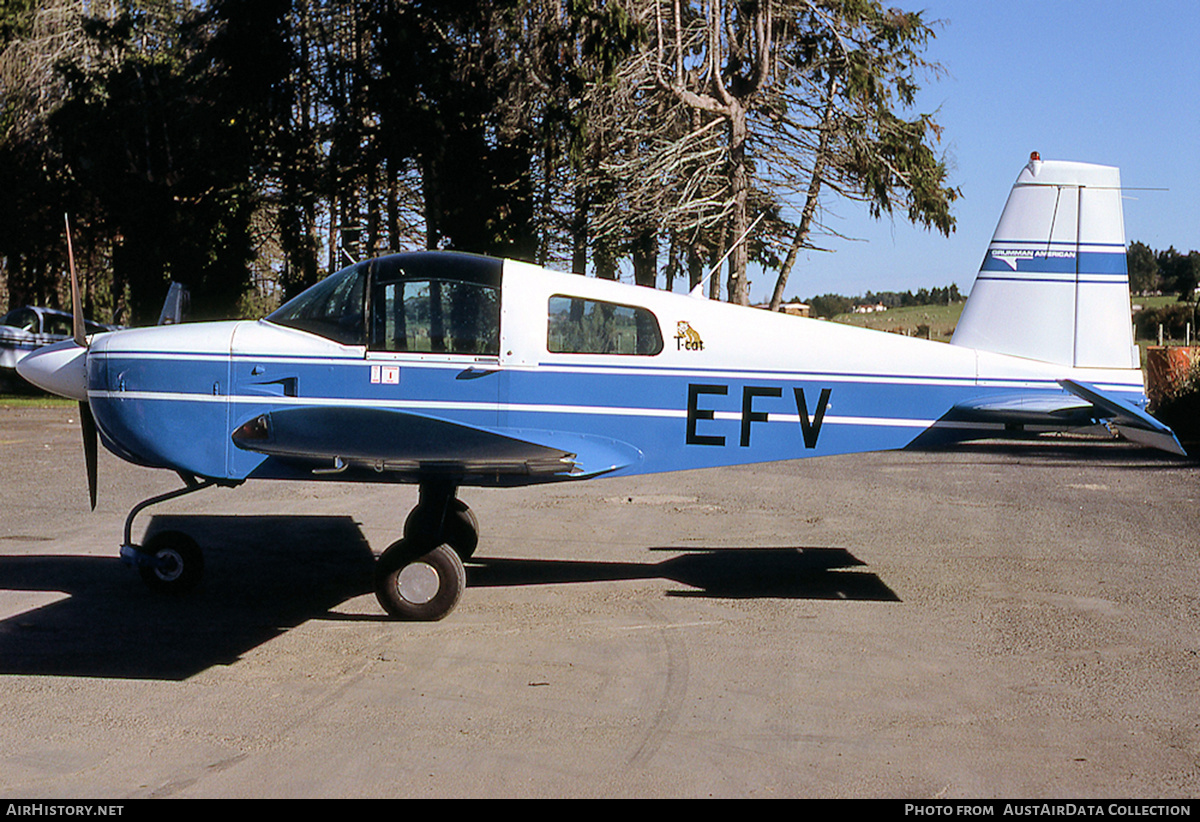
1108, 82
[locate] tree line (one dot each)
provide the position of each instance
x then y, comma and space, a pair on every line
1150, 272
830, 305
249, 147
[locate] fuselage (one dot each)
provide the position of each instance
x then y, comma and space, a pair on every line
722, 385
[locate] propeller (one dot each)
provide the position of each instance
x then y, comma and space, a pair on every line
87, 422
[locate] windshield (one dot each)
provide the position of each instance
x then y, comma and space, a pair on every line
414, 291
25, 319
332, 308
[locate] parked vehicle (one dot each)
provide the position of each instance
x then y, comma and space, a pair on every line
24, 329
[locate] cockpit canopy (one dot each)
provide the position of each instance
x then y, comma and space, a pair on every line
435, 302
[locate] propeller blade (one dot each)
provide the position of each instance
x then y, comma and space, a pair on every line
77, 326
88, 424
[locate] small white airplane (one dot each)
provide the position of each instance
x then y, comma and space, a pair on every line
28, 328
451, 370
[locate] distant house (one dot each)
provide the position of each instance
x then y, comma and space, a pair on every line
795, 309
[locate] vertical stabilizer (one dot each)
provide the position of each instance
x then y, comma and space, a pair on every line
1053, 285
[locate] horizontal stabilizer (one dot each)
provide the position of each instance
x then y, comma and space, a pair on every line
1027, 414
1036, 409
1133, 423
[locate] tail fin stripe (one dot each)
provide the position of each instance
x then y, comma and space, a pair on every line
1053, 262
1066, 243
1066, 279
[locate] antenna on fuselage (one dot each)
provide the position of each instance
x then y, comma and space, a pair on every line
698, 291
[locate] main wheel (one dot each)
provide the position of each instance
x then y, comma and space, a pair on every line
460, 530
174, 562
415, 582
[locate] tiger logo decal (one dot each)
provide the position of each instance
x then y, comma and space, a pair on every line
686, 338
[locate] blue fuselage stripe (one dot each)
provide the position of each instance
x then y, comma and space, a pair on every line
679, 419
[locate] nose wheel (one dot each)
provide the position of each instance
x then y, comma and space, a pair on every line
171, 562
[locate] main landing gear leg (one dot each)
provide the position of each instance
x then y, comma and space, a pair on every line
170, 561
421, 576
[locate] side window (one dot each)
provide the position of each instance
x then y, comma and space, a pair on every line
438, 316
58, 325
579, 326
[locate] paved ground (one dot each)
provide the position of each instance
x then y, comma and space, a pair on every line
990, 622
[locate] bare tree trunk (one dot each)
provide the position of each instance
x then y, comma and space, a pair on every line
606, 262
728, 100
672, 262
579, 231
810, 202
714, 284
373, 244
695, 264
740, 258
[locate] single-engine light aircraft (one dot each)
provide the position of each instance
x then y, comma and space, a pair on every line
450, 370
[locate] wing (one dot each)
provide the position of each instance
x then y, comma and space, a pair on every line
415, 444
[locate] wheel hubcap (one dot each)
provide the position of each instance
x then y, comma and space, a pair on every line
418, 582
170, 565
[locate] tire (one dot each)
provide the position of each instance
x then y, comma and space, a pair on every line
178, 562
461, 529
415, 583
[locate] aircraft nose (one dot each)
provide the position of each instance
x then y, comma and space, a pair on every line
60, 369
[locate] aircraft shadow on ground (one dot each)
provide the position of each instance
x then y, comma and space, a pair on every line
267, 574
729, 573
263, 575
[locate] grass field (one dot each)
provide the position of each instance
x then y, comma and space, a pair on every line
941, 320
1154, 302
33, 401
